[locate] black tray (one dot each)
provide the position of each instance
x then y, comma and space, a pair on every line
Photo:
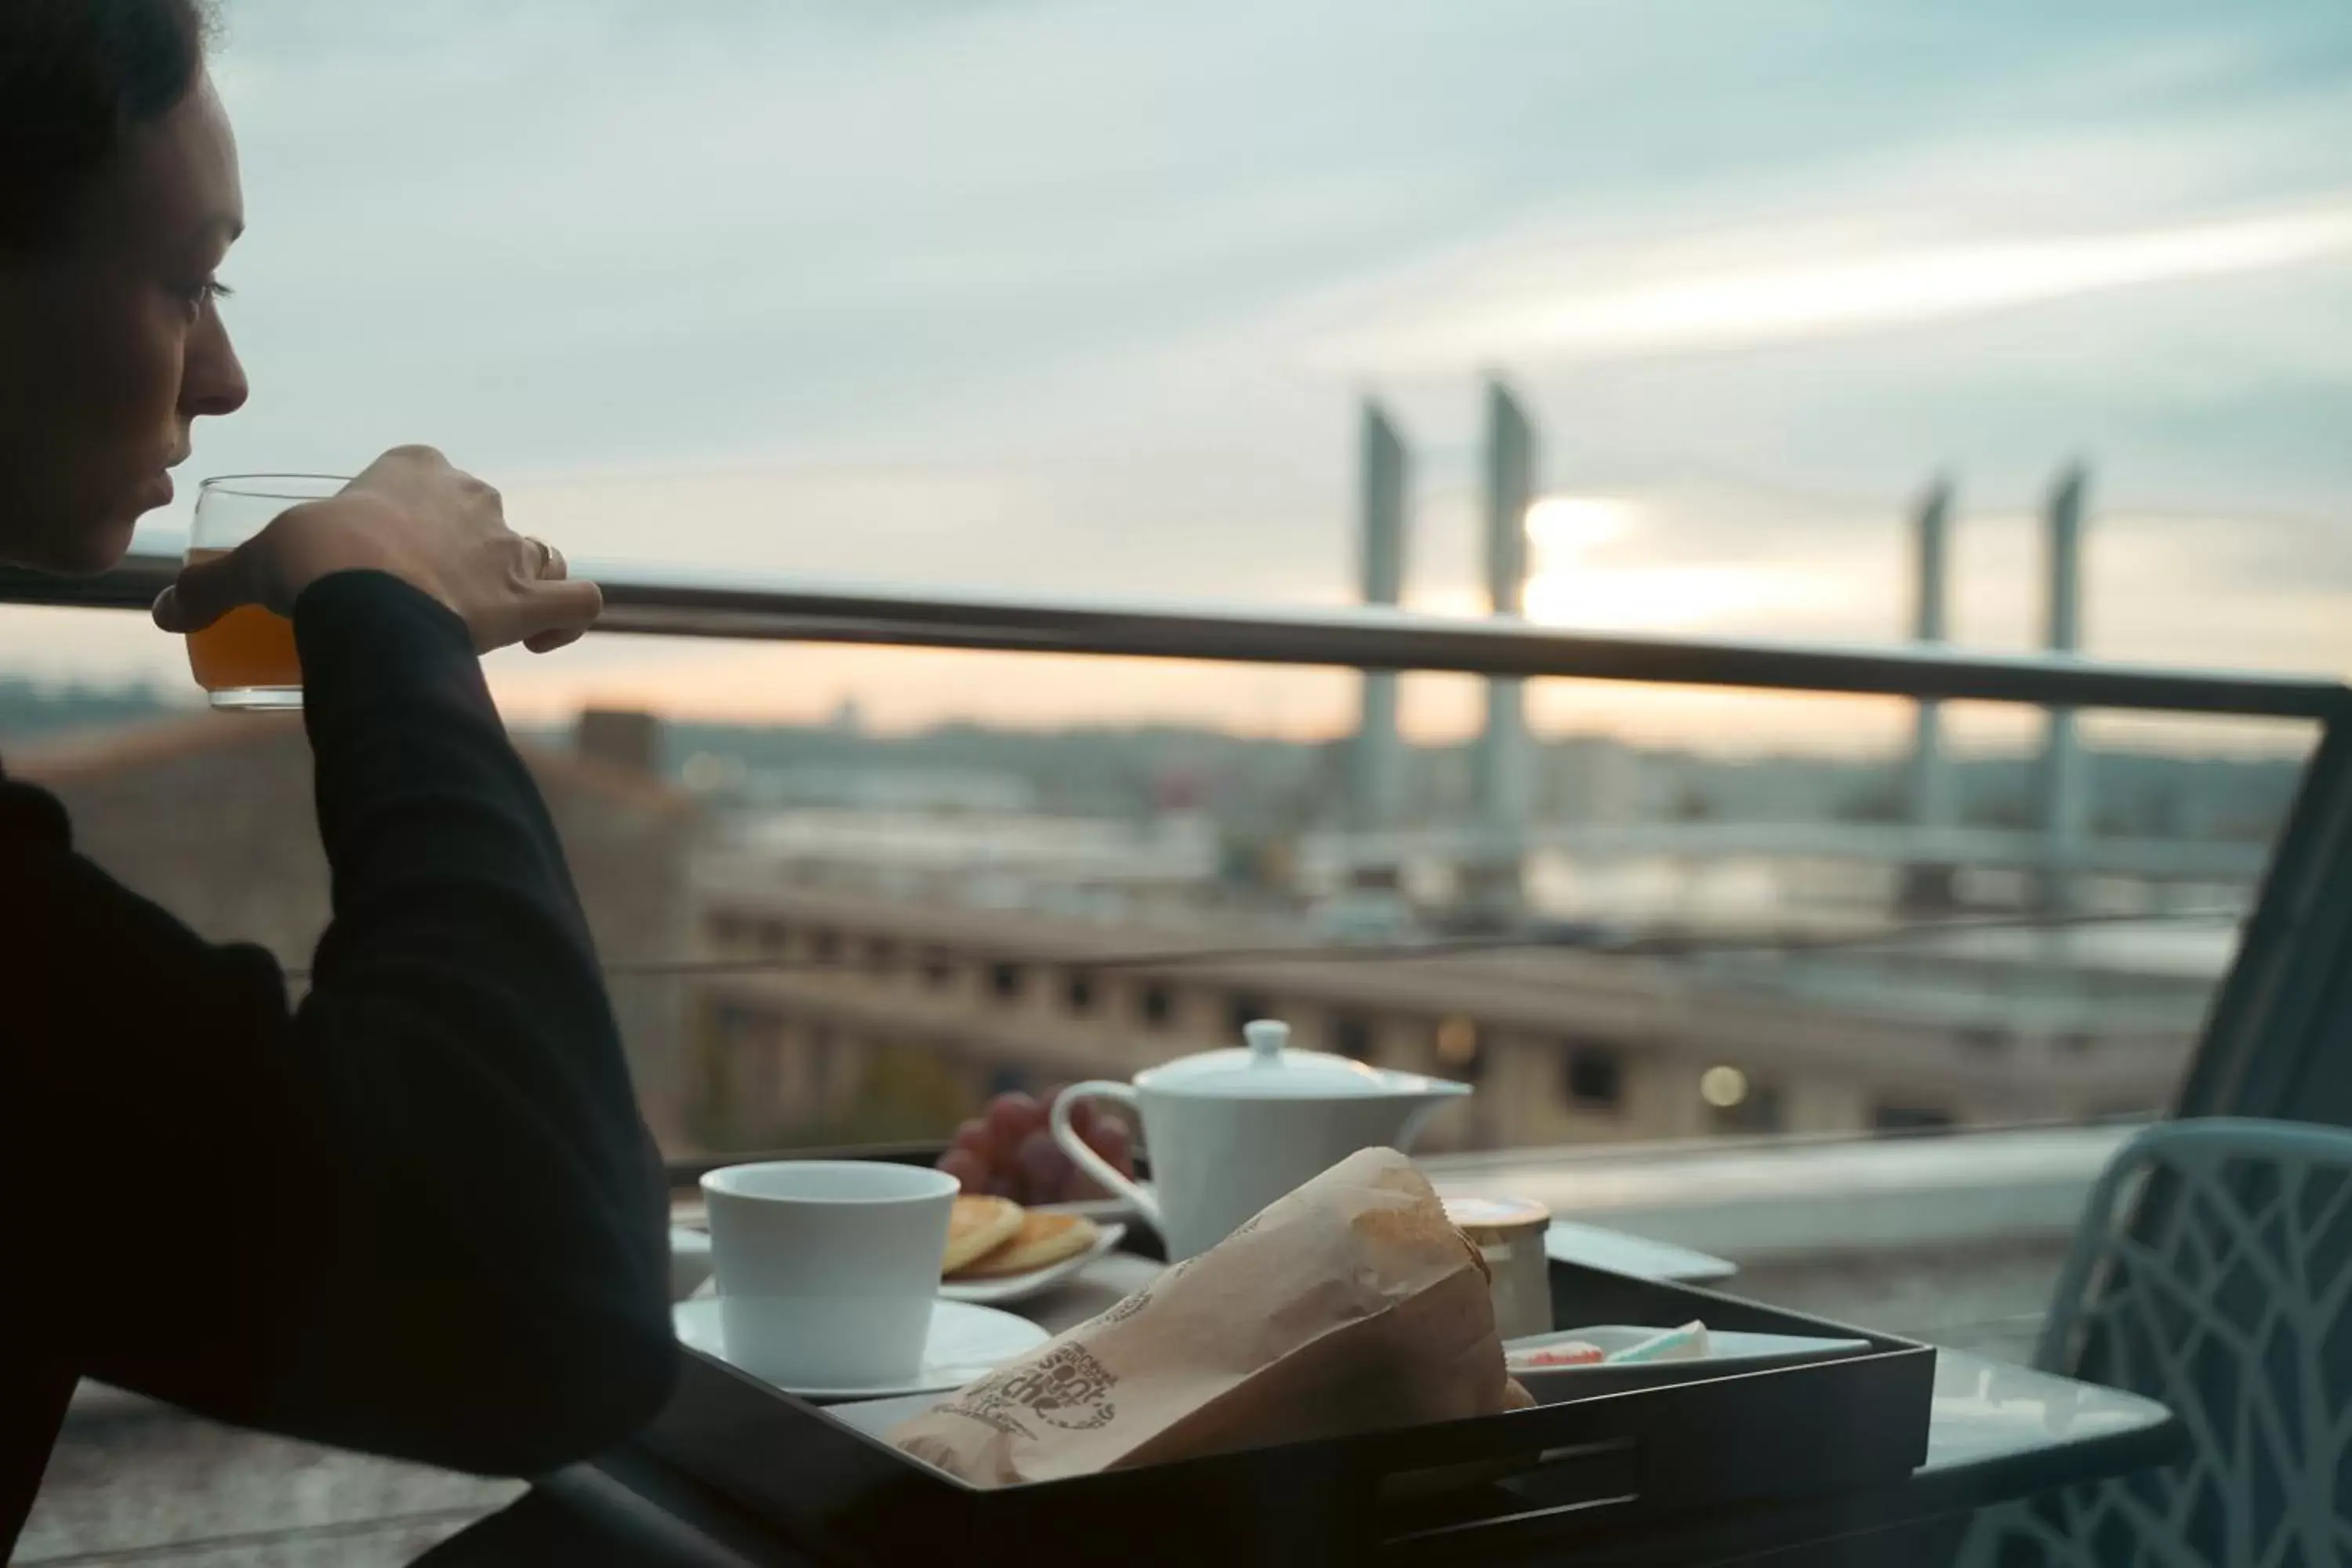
1551, 1476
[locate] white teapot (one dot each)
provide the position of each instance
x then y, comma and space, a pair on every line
1229, 1132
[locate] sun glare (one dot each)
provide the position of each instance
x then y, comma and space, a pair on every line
1566, 587
1563, 526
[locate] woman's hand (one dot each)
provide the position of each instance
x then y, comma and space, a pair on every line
408, 513
1010, 1153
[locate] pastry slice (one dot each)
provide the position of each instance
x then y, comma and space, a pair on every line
979, 1226
1042, 1241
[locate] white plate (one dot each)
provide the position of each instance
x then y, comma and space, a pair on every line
1727, 1353
1036, 1282
966, 1342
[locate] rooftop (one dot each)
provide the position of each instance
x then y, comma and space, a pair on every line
115, 750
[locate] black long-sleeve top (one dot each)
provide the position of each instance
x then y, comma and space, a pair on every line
415, 1213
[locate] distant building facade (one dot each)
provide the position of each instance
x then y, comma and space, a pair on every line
842, 1013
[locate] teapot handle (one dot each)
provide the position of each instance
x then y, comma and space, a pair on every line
1092, 1164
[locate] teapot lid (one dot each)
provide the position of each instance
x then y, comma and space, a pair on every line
1268, 1069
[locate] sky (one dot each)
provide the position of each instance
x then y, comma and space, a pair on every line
1083, 297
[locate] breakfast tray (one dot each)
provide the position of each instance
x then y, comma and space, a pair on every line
1548, 1479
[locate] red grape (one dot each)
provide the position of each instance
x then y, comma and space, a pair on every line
1008, 1151
1044, 1169
1011, 1118
968, 1166
1082, 1111
1110, 1139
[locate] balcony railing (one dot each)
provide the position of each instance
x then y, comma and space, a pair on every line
668, 602
2265, 1044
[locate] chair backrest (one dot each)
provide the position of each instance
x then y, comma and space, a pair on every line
2210, 1272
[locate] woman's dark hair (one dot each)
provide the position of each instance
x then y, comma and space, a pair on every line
76, 77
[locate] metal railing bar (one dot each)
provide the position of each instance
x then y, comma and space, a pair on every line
1567, 937
679, 603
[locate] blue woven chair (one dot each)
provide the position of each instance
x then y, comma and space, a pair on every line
2211, 1272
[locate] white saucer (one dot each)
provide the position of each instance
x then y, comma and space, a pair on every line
966, 1342
1036, 1282
690, 1261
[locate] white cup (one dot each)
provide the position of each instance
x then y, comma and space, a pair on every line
828, 1268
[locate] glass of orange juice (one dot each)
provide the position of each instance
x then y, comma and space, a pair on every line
246, 659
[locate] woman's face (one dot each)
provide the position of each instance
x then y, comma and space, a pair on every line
111, 343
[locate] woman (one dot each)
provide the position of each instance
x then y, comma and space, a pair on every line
416, 1212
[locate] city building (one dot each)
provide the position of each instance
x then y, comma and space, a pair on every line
842, 1009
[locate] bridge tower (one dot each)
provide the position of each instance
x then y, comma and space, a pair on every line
1376, 761
1493, 877
1926, 887
2066, 775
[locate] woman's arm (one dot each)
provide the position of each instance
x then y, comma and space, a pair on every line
416, 1213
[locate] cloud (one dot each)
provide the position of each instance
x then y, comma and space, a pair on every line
1866, 289
1032, 293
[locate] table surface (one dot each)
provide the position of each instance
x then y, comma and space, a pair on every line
1997, 1432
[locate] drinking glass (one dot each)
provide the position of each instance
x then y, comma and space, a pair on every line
247, 660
